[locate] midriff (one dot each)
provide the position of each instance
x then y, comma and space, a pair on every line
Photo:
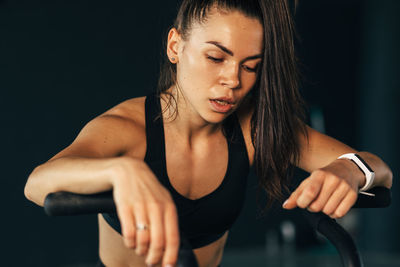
113, 252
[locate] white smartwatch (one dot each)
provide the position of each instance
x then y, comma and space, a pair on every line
364, 167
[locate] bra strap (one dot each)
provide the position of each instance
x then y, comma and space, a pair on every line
154, 129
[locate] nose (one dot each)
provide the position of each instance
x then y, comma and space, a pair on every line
231, 76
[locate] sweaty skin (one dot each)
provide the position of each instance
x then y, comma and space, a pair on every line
217, 61
112, 249
195, 145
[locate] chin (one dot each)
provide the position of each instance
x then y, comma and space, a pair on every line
216, 118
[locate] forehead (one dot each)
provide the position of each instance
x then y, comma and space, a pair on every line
242, 34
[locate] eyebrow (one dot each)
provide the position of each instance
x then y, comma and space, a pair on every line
229, 52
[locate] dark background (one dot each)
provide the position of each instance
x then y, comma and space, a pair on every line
64, 62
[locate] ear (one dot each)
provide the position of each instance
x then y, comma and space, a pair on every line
174, 40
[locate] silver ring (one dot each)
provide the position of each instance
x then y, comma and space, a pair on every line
142, 226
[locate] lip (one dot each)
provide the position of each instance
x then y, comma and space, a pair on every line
220, 108
226, 99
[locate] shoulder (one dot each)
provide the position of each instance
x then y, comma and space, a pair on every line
127, 122
244, 113
131, 111
118, 131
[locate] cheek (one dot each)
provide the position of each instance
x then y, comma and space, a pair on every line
196, 66
248, 79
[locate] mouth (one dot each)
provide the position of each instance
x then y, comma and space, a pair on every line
221, 105
222, 102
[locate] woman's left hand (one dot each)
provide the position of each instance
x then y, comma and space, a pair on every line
332, 189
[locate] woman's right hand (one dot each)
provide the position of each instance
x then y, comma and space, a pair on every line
141, 199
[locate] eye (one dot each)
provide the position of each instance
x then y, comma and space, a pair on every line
217, 60
250, 69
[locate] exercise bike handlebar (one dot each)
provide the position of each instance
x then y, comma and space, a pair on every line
337, 235
66, 203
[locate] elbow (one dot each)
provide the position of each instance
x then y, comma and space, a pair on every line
387, 177
27, 191
390, 179
32, 189
31, 196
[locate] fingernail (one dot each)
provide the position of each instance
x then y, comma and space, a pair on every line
169, 265
284, 203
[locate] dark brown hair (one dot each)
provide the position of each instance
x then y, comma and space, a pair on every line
278, 116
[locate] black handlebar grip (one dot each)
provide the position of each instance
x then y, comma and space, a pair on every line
66, 203
382, 198
186, 257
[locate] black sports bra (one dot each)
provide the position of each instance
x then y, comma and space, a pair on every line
206, 219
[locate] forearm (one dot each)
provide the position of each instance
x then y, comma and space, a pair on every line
333, 189
333, 184
322, 150
72, 174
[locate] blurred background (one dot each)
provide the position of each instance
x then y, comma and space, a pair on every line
64, 62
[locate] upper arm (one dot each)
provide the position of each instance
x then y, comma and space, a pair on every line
319, 150
108, 135
316, 149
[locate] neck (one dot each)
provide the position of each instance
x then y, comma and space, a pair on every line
180, 118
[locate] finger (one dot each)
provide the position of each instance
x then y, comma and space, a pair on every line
335, 199
172, 239
309, 193
128, 228
291, 202
346, 204
329, 186
156, 248
142, 236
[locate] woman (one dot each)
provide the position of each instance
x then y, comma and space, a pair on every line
177, 160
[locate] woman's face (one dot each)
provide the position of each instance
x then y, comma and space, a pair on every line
218, 61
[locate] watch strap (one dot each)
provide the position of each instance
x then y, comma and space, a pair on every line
364, 167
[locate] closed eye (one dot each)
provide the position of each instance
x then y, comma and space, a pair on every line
250, 69
215, 59
219, 60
